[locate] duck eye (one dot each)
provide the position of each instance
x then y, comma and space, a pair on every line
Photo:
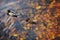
8, 10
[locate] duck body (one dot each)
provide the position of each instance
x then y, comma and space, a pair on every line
9, 13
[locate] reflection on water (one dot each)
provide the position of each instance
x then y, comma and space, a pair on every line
45, 13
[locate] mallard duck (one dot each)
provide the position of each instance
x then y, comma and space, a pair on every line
9, 13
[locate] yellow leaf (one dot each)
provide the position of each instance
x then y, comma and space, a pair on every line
21, 38
38, 7
53, 36
36, 28
25, 28
15, 35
